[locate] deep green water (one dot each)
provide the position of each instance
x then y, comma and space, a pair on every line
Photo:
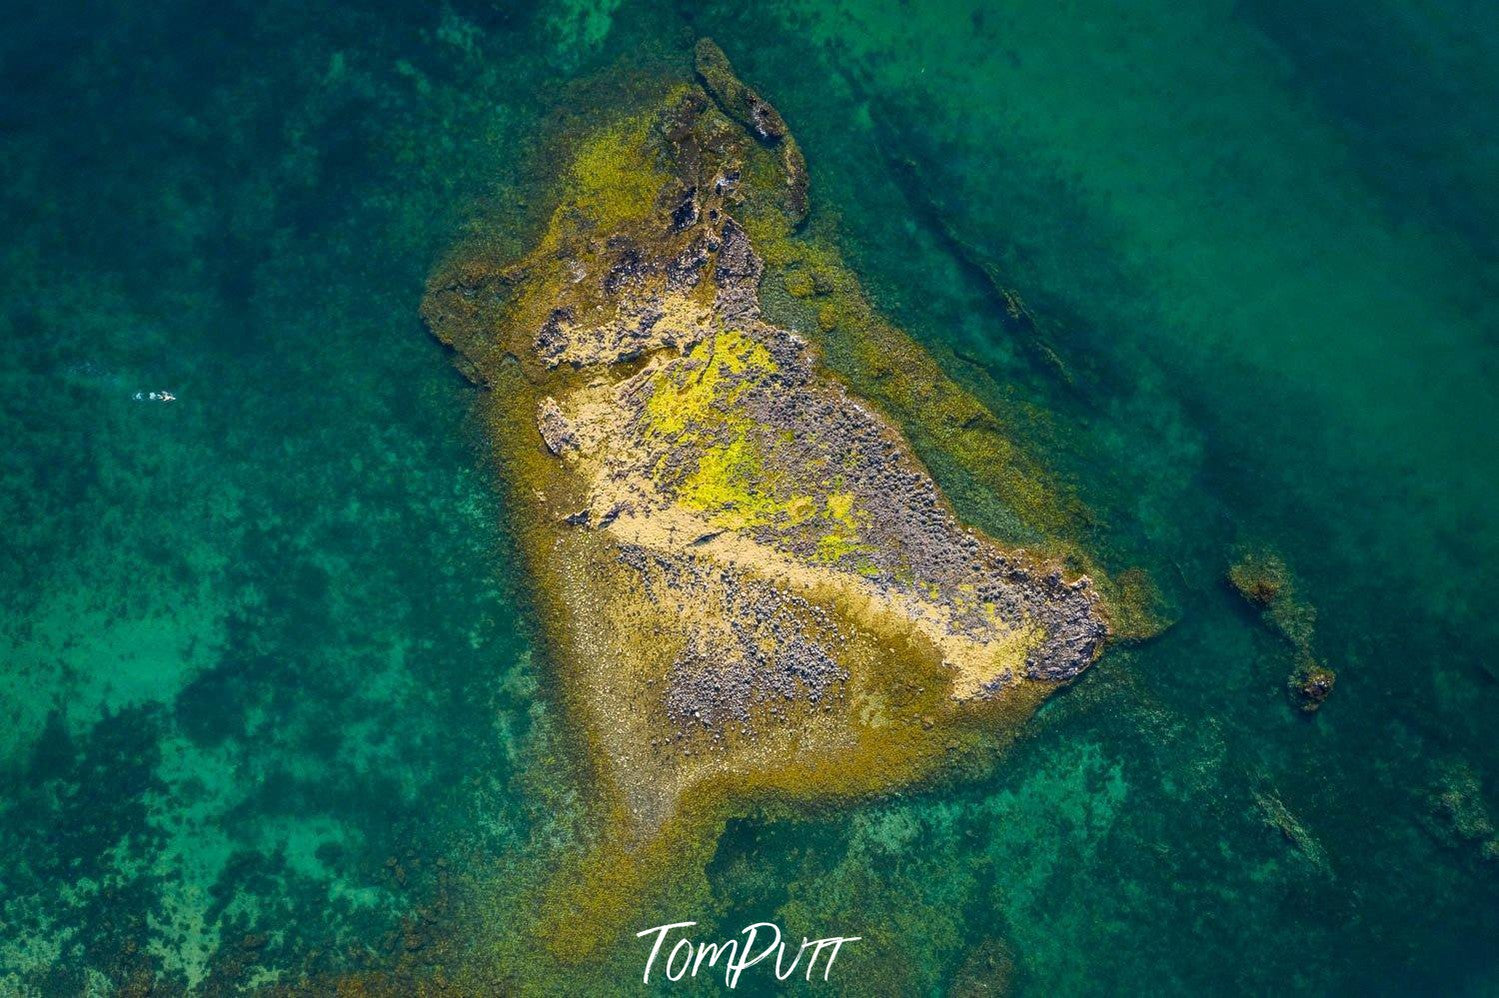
264, 656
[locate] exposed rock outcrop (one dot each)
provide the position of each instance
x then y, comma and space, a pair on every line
748, 573
756, 114
556, 431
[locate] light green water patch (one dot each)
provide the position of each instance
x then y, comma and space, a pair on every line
579, 28
83, 660
199, 787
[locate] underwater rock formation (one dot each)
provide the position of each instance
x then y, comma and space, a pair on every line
988, 969
1458, 815
1260, 577
750, 581
1311, 684
1265, 581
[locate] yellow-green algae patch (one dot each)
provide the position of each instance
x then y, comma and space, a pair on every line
752, 592
609, 180
696, 393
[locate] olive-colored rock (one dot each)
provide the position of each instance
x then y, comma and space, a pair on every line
1265, 581
759, 117
1260, 577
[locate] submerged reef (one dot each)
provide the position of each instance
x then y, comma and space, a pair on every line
1265, 581
1261, 577
752, 588
1310, 684
1458, 814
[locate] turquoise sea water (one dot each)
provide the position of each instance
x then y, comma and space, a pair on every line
268, 692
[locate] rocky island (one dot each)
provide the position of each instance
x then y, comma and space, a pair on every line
751, 584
